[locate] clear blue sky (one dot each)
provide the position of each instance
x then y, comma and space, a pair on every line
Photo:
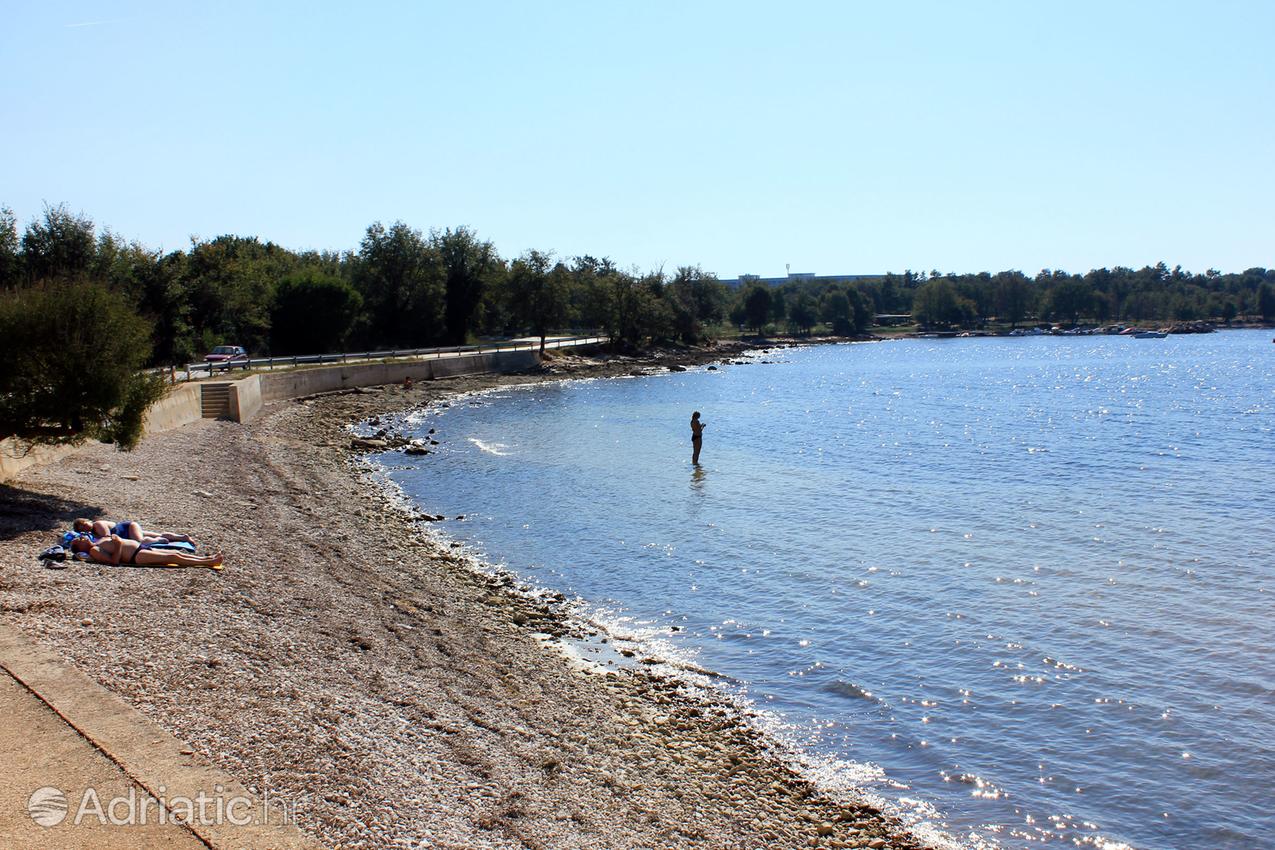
837, 137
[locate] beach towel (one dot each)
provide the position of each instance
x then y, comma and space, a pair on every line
172, 545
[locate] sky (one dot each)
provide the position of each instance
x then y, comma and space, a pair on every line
827, 137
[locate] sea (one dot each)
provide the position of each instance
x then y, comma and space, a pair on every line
1021, 591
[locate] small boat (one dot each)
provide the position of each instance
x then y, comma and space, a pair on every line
1150, 335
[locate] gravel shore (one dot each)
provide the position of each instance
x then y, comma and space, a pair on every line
396, 697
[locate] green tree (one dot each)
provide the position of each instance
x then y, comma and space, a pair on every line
593, 294
1266, 302
538, 292
863, 307
696, 299
803, 312
835, 309
10, 258
230, 286
640, 312
935, 303
757, 306
73, 352
848, 311
313, 313
1070, 300
468, 265
400, 279
60, 245
1013, 296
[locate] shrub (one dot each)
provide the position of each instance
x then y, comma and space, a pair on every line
73, 353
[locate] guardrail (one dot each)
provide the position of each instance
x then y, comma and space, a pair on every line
193, 369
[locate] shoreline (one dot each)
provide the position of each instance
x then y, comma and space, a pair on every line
373, 678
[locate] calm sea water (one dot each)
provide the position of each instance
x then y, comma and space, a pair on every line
1023, 588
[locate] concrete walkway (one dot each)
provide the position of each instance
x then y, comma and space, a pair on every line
82, 769
45, 757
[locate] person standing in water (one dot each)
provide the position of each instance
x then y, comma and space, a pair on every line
697, 437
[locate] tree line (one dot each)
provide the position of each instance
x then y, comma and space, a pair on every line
1100, 296
83, 311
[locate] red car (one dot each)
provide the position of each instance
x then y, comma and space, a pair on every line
228, 355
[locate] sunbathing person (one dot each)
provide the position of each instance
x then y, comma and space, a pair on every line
129, 530
116, 550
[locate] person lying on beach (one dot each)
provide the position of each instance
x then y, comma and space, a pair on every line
128, 529
116, 550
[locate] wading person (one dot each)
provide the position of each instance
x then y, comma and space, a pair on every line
697, 437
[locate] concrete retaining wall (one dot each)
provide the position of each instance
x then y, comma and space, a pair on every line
179, 406
16, 456
301, 382
245, 399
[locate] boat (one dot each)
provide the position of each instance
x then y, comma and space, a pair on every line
1150, 335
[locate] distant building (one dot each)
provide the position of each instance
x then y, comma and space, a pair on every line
797, 277
888, 319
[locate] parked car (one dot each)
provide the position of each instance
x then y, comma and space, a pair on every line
227, 356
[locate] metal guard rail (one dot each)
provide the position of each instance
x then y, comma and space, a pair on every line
391, 354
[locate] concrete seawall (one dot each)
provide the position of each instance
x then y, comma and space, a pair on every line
276, 386
181, 405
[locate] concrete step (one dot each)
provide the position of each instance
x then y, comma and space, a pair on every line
214, 400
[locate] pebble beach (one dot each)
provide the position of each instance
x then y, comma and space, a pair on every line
350, 664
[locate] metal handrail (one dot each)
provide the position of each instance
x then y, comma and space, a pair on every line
389, 354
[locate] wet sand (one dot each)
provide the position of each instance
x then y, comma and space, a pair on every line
392, 694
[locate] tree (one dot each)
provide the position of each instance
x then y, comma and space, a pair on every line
538, 293
73, 351
1013, 296
863, 307
757, 306
1070, 300
400, 279
61, 245
778, 305
230, 286
1266, 302
848, 311
803, 312
313, 313
10, 259
468, 264
593, 294
935, 303
835, 309
696, 299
